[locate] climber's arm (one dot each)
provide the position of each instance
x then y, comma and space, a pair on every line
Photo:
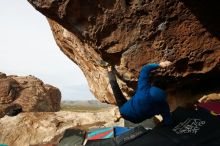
143, 81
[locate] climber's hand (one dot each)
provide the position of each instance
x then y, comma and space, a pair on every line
109, 68
210, 97
117, 118
164, 64
157, 119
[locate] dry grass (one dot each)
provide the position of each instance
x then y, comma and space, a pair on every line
80, 108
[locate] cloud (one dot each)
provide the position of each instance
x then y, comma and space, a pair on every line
28, 48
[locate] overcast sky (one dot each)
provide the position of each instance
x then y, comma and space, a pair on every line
27, 47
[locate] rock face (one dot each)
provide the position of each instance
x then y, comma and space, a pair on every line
130, 33
29, 92
38, 128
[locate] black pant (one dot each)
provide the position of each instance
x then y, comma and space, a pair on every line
119, 97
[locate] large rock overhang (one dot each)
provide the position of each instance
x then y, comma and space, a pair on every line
130, 33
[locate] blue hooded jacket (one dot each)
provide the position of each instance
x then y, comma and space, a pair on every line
147, 101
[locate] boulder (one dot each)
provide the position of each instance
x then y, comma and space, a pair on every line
8, 89
28, 92
130, 33
48, 127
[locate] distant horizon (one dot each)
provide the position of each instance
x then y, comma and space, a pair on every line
95, 99
28, 48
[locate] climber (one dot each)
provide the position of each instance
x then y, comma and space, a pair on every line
148, 100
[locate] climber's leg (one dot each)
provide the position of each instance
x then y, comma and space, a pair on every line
119, 97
